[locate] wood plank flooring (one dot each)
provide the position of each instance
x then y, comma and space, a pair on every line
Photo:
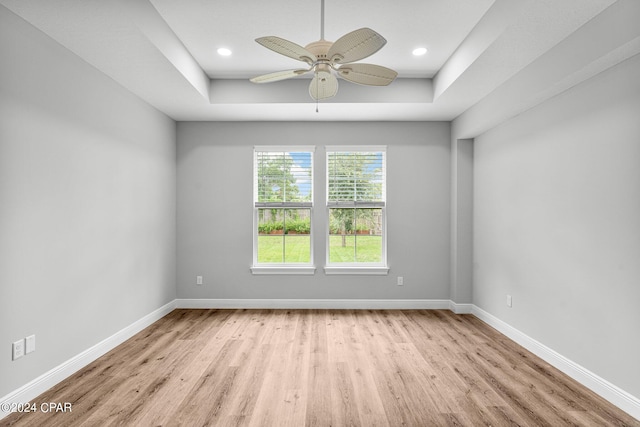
321, 368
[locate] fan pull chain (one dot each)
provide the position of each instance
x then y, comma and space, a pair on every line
318, 85
321, 38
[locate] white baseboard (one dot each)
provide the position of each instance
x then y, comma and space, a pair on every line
460, 308
623, 400
44, 382
373, 304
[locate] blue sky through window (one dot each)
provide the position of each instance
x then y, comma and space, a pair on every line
302, 163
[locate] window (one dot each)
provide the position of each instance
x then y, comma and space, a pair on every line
283, 202
356, 209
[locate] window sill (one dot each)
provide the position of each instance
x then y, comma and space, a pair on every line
365, 271
263, 270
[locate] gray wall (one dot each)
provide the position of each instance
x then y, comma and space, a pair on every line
87, 204
461, 219
215, 167
557, 224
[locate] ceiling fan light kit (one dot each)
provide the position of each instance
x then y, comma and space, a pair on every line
323, 57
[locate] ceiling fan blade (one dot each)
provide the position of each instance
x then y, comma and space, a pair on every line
367, 74
355, 46
277, 76
324, 85
287, 48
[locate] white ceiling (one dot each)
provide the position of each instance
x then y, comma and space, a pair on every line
204, 26
487, 60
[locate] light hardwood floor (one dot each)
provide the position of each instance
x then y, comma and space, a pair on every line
322, 368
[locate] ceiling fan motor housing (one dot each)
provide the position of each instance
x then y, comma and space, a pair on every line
320, 49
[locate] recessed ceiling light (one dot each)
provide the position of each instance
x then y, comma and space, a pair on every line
223, 51
419, 51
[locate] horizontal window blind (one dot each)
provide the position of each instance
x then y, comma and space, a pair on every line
356, 179
283, 179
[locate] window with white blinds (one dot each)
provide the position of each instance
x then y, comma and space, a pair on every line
283, 178
356, 178
356, 205
283, 201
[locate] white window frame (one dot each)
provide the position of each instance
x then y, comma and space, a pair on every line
282, 268
358, 268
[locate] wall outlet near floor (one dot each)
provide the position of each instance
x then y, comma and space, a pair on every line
198, 280
30, 344
509, 301
400, 281
17, 349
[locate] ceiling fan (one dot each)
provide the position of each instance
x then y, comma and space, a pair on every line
323, 57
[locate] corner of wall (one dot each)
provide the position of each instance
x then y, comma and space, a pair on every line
461, 220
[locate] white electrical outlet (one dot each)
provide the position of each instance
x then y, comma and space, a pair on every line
400, 281
30, 344
18, 349
509, 301
198, 280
